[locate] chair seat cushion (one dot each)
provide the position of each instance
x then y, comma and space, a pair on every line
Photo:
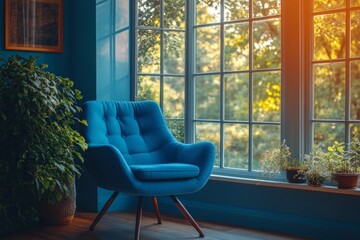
165, 171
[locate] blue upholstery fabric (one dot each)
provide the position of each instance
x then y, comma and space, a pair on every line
123, 136
165, 171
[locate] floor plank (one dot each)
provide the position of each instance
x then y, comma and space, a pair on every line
120, 226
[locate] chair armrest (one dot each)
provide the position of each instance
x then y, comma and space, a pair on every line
201, 154
107, 166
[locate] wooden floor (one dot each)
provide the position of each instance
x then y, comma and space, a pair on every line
121, 226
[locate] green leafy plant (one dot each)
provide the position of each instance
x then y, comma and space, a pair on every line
315, 167
38, 143
278, 159
354, 154
344, 158
343, 163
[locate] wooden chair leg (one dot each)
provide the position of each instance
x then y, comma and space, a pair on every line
187, 215
156, 208
138, 217
103, 210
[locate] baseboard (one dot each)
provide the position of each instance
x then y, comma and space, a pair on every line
264, 220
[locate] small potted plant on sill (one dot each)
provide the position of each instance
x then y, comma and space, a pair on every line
293, 171
315, 168
278, 160
343, 164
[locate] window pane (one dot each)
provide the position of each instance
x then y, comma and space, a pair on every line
209, 132
207, 11
329, 36
322, 5
149, 88
266, 48
174, 16
208, 49
329, 91
263, 8
149, 13
237, 146
174, 52
355, 90
207, 97
103, 19
174, 88
177, 128
355, 33
355, 130
326, 133
122, 57
103, 58
355, 3
267, 96
236, 9
148, 51
237, 96
237, 47
262, 136
122, 14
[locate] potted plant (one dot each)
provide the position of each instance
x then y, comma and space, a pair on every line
344, 164
293, 171
315, 168
38, 143
277, 160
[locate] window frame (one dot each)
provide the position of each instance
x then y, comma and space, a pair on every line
296, 81
222, 72
309, 62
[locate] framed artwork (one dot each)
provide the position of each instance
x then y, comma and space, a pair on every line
34, 25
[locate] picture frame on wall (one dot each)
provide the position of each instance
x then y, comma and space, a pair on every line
34, 25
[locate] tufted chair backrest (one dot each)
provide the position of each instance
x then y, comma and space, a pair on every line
137, 129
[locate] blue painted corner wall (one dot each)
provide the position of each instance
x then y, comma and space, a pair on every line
83, 62
99, 66
58, 63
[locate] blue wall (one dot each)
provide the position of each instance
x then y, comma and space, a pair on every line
98, 74
58, 62
82, 46
297, 212
99, 66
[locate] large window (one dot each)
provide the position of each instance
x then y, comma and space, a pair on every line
246, 74
237, 78
161, 58
335, 71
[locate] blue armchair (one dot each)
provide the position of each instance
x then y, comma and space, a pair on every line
131, 150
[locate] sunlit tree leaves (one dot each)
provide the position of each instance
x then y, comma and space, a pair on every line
237, 47
355, 90
263, 8
355, 33
322, 5
149, 13
329, 36
236, 10
237, 150
329, 91
329, 43
266, 46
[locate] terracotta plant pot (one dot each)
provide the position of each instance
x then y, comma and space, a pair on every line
60, 213
347, 180
293, 176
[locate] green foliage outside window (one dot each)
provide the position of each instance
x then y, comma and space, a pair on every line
329, 79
